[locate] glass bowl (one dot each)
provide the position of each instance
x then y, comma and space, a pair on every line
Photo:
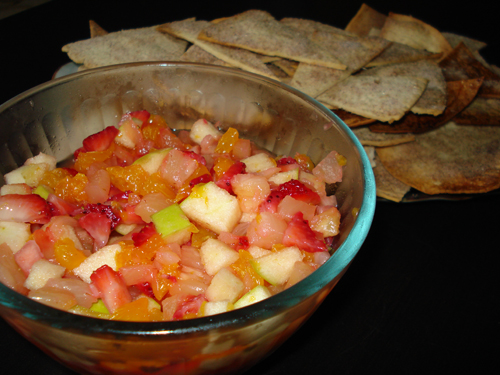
56, 116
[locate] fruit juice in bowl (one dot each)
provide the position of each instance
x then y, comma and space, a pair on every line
202, 236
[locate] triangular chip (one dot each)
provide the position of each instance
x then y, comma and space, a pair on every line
190, 28
433, 99
353, 51
388, 186
481, 111
460, 95
288, 66
350, 119
315, 80
96, 30
365, 19
199, 55
460, 64
368, 138
386, 99
449, 160
145, 44
455, 39
400, 53
260, 32
414, 33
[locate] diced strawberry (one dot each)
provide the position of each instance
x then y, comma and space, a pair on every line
298, 233
98, 226
285, 161
225, 181
143, 115
167, 139
112, 289
128, 215
28, 255
105, 210
30, 208
200, 159
145, 233
59, 206
189, 305
45, 242
146, 289
100, 141
293, 188
200, 180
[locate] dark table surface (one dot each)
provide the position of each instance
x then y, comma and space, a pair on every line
421, 297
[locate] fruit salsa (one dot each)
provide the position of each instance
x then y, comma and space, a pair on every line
152, 225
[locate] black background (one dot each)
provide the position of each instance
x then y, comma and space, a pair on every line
421, 297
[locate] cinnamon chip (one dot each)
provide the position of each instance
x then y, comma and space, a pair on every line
368, 138
365, 20
481, 111
96, 30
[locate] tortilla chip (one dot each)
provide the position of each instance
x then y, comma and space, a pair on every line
449, 160
351, 119
259, 32
315, 80
481, 111
96, 30
288, 66
190, 28
144, 44
460, 64
199, 55
433, 99
414, 33
353, 51
460, 95
471, 44
365, 19
368, 138
387, 186
400, 53
386, 99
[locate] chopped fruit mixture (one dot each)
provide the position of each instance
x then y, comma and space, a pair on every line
149, 225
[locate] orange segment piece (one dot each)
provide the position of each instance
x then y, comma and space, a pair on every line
67, 255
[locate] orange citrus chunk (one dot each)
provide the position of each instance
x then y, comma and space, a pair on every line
72, 189
221, 166
227, 141
86, 159
52, 178
243, 269
67, 255
304, 161
138, 311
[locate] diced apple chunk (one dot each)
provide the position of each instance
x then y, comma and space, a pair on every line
277, 267
212, 207
282, 177
41, 272
216, 255
106, 255
217, 307
15, 235
152, 160
259, 293
258, 162
22, 189
27, 174
258, 252
201, 128
225, 286
43, 158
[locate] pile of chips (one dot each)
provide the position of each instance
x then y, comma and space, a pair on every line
424, 103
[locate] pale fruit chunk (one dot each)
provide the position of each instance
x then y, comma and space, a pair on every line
277, 267
124, 229
22, 189
41, 271
216, 255
106, 255
217, 307
282, 177
15, 235
212, 207
171, 220
258, 162
259, 293
27, 174
258, 252
225, 286
289, 206
41, 191
201, 129
151, 161
300, 271
42, 158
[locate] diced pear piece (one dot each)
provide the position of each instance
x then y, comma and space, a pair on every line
15, 235
41, 271
22, 189
259, 293
216, 255
282, 177
105, 255
212, 207
124, 229
258, 252
42, 158
258, 162
32, 171
151, 161
277, 267
217, 307
171, 220
225, 286
201, 128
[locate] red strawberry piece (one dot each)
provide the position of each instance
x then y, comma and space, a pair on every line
28, 255
200, 180
98, 226
100, 141
293, 188
285, 161
141, 237
199, 158
30, 208
60, 207
105, 210
128, 215
225, 181
142, 116
45, 242
112, 289
298, 233
189, 305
